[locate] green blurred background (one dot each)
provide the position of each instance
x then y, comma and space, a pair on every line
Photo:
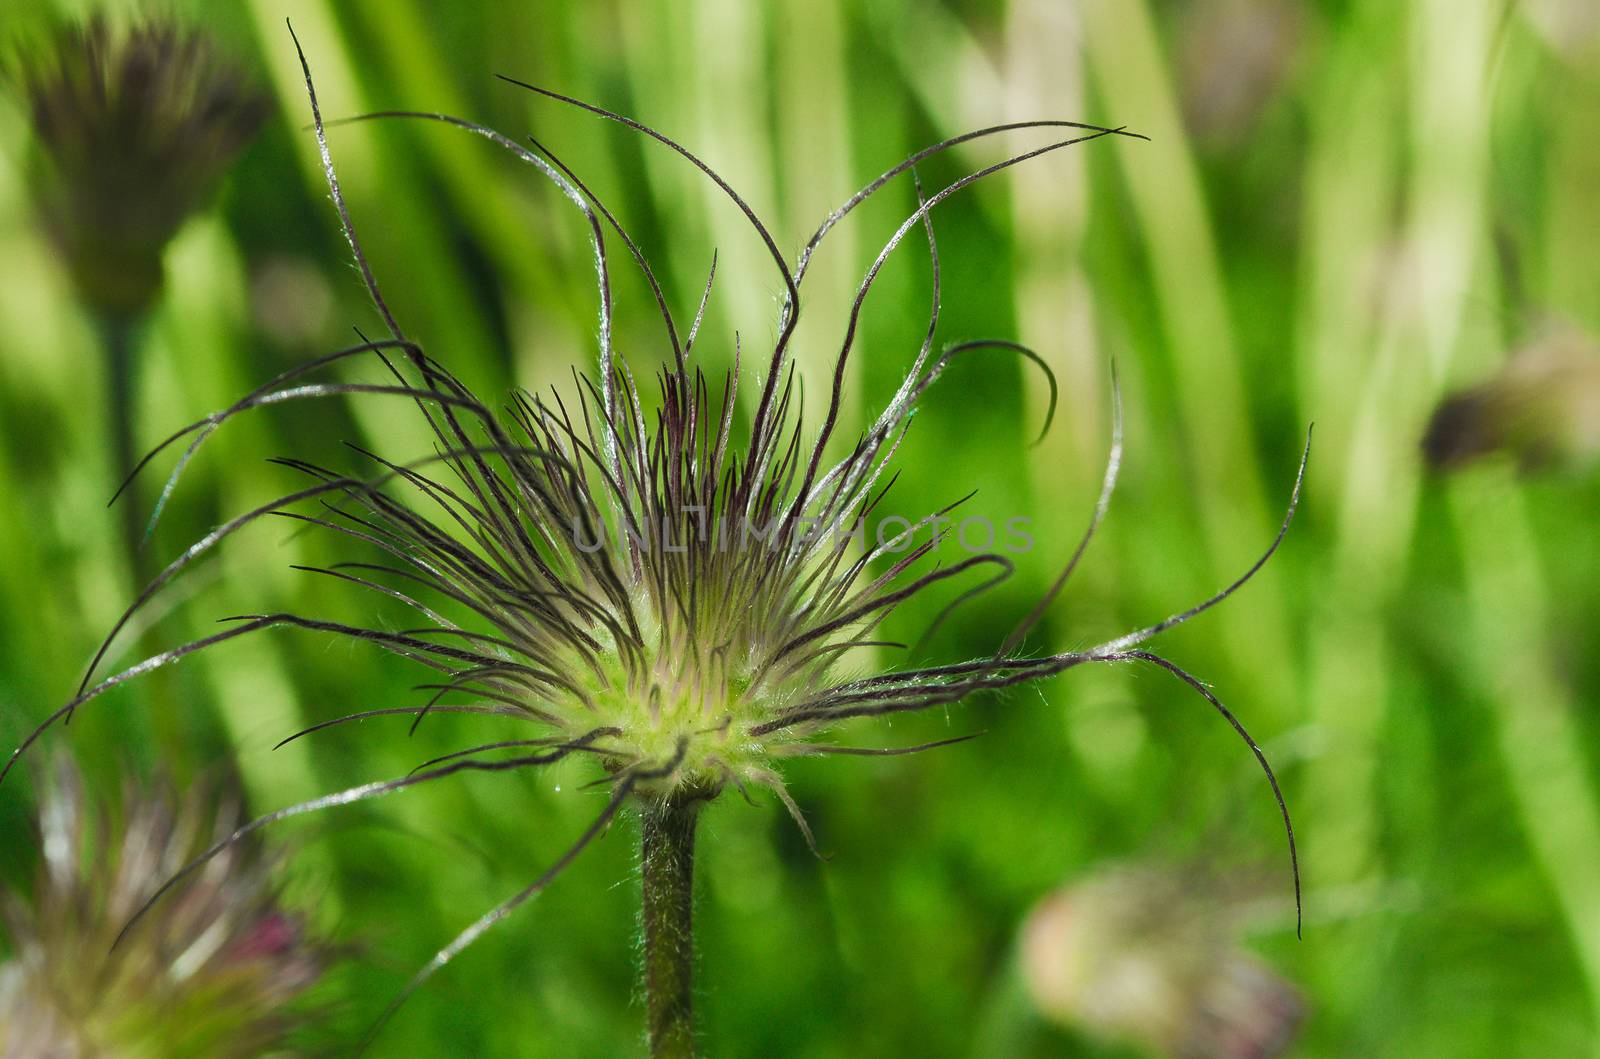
1345, 210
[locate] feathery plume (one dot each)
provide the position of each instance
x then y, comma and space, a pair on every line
137, 128
212, 974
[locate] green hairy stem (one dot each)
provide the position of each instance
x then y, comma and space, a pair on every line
117, 333
668, 902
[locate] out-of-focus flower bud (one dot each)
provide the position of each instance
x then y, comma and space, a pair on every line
290, 302
1233, 56
1571, 27
136, 128
1145, 955
1543, 408
212, 972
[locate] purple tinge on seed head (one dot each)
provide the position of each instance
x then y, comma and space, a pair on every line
215, 973
1145, 954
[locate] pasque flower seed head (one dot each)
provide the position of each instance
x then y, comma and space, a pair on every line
215, 974
136, 127
624, 565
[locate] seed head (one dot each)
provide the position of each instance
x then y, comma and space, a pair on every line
213, 974
1542, 408
136, 129
1571, 28
627, 567
1146, 954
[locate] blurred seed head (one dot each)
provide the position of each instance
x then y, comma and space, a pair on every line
290, 302
1148, 955
136, 128
1570, 27
212, 975
1542, 408
629, 566
1234, 56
